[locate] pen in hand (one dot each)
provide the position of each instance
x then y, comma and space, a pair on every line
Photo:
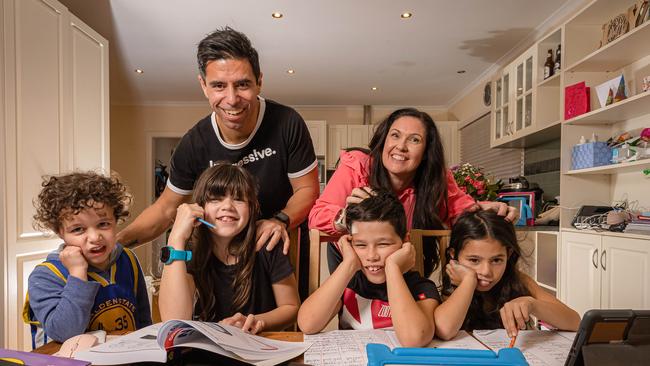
512, 341
205, 223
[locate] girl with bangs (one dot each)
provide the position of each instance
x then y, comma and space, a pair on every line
225, 279
484, 287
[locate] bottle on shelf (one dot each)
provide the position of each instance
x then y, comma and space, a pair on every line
548, 65
558, 57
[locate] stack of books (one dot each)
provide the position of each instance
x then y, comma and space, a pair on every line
640, 224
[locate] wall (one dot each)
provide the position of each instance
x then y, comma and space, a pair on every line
340, 115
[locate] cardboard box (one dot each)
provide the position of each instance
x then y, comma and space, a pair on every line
590, 155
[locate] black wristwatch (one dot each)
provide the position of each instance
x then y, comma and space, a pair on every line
283, 218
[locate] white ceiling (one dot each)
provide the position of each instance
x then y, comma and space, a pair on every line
339, 48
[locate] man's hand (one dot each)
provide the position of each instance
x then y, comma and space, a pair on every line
74, 261
403, 258
271, 231
516, 313
459, 273
248, 324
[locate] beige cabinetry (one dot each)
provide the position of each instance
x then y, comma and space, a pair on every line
344, 136
318, 134
608, 271
55, 120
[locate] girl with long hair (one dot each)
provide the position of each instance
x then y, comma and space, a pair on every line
485, 288
226, 279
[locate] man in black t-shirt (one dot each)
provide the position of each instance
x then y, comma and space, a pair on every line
268, 139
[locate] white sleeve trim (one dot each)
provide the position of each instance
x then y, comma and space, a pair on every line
182, 192
304, 171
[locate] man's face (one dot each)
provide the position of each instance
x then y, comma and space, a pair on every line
232, 90
374, 241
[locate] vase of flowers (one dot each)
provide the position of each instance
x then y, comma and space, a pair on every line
473, 181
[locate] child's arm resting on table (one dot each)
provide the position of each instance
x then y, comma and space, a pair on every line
62, 308
325, 302
413, 321
450, 315
515, 313
288, 302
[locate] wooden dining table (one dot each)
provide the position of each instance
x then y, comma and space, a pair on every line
53, 347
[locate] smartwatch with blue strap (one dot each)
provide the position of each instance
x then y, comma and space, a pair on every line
169, 254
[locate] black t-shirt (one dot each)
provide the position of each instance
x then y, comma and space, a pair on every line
365, 304
279, 148
270, 267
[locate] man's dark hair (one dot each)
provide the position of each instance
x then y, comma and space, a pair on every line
382, 206
226, 44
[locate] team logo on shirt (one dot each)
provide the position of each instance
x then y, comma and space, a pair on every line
256, 155
114, 314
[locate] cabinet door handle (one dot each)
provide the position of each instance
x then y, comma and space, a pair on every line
602, 261
594, 258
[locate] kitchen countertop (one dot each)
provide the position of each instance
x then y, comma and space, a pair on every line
537, 228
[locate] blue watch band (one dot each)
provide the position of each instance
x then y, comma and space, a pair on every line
169, 254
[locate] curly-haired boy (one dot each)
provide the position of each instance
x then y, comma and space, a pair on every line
90, 282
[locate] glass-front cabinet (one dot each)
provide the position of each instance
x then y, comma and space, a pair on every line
514, 91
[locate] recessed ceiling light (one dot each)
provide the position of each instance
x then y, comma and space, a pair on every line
461, 71
291, 71
277, 15
374, 88
139, 71
406, 15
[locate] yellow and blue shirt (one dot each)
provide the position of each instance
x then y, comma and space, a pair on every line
64, 306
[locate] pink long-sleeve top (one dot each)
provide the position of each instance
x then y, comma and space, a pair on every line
354, 171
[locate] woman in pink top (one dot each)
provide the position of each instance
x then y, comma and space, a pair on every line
406, 156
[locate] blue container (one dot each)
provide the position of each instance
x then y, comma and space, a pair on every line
590, 155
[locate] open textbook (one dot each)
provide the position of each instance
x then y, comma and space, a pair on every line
151, 344
348, 347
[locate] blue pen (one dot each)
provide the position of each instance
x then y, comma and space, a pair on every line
206, 223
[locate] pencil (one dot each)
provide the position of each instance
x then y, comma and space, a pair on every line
206, 223
512, 341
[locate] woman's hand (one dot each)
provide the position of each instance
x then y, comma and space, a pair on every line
403, 258
502, 209
248, 324
350, 257
459, 273
185, 222
359, 194
516, 313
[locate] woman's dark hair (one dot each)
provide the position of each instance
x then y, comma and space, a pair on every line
70, 193
483, 311
382, 206
226, 44
220, 180
430, 181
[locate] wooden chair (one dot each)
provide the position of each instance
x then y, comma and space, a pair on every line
316, 238
443, 236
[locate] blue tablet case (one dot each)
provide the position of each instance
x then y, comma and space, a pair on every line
380, 355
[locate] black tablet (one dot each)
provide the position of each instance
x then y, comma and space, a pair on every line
629, 329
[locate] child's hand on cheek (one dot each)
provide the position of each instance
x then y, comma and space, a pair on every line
459, 273
74, 261
516, 313
403, 258
186, 220
349, 255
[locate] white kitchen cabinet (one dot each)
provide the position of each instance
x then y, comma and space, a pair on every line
605, 271
55, 120
358, 135
625, 265
318, 133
